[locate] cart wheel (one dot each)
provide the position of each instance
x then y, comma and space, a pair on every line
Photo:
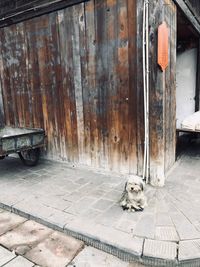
30, 157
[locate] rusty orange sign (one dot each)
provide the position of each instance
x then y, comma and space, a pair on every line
163, 46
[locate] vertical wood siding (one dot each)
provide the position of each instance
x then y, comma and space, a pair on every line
73, 72
170, 86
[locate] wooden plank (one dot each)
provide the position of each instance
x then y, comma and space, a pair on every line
91, 61
55, 70
85, 91
170, 86
139, 91
132, 98
172, 80
197, 93
113, 90
123, 85
76, 21
2, 118
65, 110
102, 78
10, 63
3, 109
33, 73
157, 100
41, 41
65, 31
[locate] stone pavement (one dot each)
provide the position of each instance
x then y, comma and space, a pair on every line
25, 243
83, 203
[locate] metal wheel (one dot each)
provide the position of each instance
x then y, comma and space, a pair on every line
30, 157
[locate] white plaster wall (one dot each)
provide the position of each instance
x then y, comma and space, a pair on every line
186, 68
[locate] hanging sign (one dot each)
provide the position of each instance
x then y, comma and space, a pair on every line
163, 46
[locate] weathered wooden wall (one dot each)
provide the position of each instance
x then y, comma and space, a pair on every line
73, 72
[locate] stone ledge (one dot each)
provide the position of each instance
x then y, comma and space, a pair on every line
139, 251
189, 249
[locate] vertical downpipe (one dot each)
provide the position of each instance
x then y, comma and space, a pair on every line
147, 84
146, 88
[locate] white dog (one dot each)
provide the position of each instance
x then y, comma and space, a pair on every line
133, 198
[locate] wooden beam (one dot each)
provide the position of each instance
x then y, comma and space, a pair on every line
193, 10
35, 9
189, 14
2, 121
197, 94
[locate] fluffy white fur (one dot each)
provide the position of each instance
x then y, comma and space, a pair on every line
133, 198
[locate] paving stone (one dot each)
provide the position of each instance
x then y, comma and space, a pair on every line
83, 181
11, 198
110, 216
86, 189
81, 206
91, 214
19, 262
136, 264
55, 202
5, 256
113, 195
160, 249
145, 227
24, 237
97, 193
9, 221
92, 257
167, 233
163, 219
74, 196
49, 188
125, 226
60, 218
189, 249
103, 204
106, 235
34, 207
55, 251
107, 186
185, 229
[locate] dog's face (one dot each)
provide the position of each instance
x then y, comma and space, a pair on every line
134, 184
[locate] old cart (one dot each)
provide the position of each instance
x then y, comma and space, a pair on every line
24, 141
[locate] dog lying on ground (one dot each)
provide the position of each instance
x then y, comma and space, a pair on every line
133, 198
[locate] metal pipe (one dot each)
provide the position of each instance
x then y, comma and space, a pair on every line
147, 86
144, 89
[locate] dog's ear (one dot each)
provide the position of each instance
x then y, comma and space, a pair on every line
142, 186
125, 186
